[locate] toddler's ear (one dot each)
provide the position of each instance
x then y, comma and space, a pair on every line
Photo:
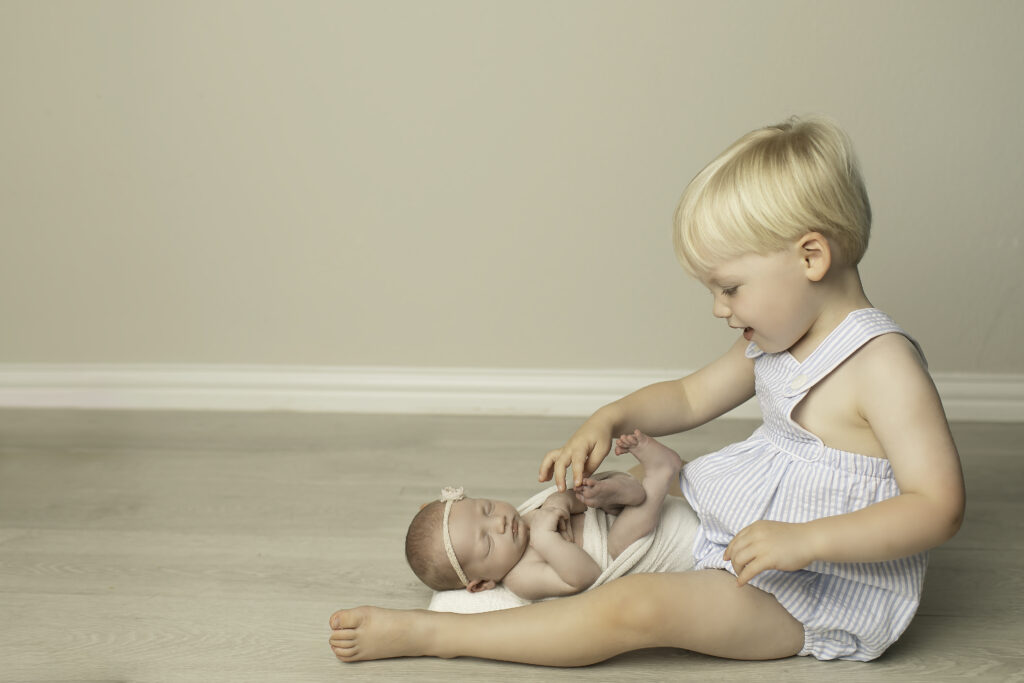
477, 585
816, 254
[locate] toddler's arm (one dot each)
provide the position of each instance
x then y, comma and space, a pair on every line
563, 568
657, 409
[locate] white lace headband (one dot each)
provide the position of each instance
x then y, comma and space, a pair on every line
450, 494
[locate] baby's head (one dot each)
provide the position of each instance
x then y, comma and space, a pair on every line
486, 538
769, 189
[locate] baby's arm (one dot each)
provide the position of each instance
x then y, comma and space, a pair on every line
657, 409
562, 568
902, 407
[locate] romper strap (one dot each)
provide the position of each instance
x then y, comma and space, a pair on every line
860, 327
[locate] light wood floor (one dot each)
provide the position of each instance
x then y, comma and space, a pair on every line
213, 547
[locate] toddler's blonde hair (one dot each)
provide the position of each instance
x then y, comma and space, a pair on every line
768, 189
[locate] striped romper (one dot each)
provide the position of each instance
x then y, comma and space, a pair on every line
784, 473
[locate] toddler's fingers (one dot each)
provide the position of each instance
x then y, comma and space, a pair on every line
556, 471
560, 476
554, 466
544, 474
750, 570
733, 551
578, 471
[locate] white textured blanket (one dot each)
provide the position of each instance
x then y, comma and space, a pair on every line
669, 548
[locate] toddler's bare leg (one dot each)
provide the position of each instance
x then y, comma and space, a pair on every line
704, 611
661, 468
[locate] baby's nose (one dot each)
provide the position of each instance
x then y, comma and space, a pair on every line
500, 523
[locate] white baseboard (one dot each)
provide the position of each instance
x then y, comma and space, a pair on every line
457, 391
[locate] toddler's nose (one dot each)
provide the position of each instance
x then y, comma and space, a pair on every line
719, 309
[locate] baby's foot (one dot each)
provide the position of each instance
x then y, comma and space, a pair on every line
376, 633
610, 491
659, 460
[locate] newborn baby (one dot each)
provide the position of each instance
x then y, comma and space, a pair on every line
478, 543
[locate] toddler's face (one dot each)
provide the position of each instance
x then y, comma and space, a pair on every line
765, 296
489, 537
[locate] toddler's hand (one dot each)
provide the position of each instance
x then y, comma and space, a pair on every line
769, 545
584, 452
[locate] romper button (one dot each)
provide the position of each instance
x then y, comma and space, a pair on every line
798, 382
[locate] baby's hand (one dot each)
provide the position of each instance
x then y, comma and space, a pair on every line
552, 519
560, 500
560, 503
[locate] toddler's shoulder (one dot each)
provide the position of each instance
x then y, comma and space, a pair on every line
889, 370
889, 351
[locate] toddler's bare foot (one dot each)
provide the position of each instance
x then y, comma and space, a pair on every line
659, 460
610, 491
377, 633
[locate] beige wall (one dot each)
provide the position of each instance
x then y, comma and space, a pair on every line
476, 183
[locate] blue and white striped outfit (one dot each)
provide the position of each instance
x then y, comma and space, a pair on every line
784, 473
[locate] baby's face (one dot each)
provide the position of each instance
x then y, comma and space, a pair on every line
489, 537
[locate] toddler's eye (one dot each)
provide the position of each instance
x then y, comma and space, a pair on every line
729, 291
